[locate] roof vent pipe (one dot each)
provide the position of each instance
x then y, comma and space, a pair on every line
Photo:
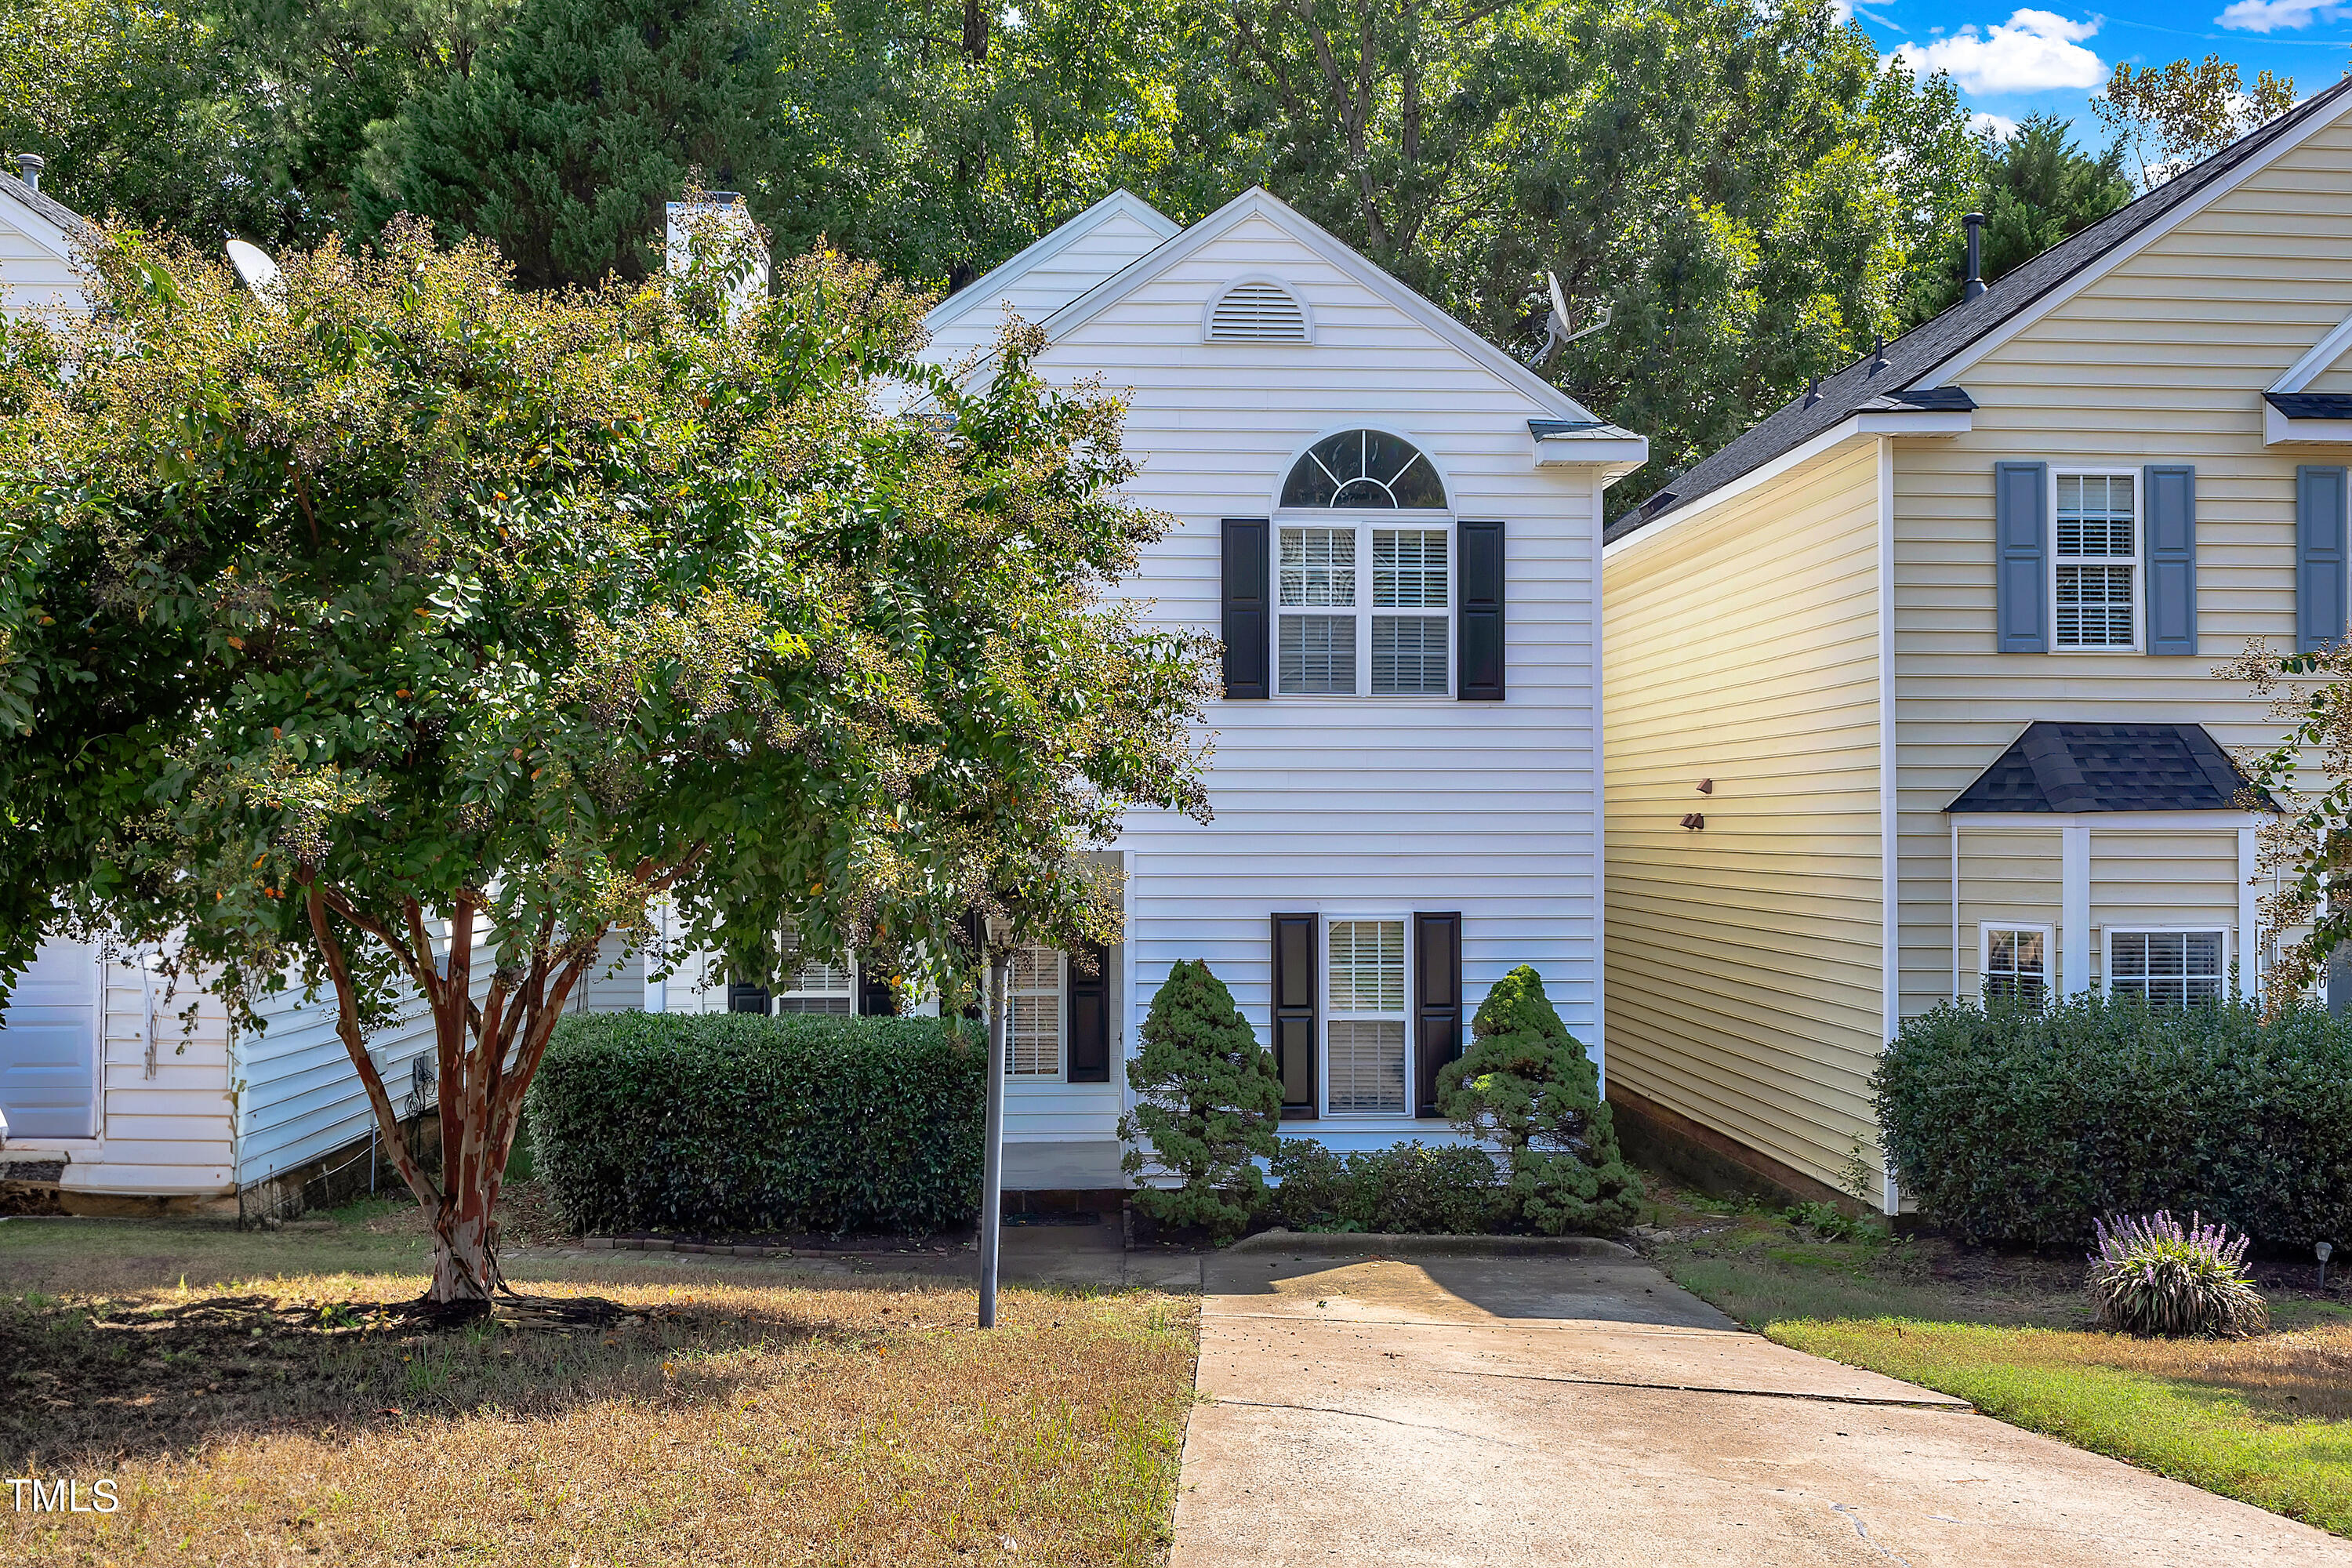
1976, 284
28, 169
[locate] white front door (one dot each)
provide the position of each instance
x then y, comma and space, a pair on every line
49, 1046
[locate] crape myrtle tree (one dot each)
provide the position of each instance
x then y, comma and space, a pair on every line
403, 635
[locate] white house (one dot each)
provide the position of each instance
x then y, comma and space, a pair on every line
1396, 529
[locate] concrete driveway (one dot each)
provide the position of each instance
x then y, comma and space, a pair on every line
1383, 1400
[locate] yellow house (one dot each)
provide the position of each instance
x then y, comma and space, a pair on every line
1911, 691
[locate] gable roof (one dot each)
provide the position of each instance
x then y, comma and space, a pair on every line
2107, 767
69, 224
993, 284
1260, 203
1894, 371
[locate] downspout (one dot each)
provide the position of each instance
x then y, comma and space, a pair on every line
1600, 800
1890, 934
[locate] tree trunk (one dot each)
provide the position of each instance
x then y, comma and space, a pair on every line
464, 1247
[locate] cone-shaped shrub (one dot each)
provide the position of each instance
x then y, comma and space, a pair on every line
1526, 1084
1206, 1099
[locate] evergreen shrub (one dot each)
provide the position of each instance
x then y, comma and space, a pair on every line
1207, 1100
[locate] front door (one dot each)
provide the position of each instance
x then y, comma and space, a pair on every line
49, 1046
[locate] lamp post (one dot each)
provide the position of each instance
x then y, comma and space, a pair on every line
2326, 1249
991, 1178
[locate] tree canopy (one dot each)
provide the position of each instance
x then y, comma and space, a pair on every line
406, 614
2039, 188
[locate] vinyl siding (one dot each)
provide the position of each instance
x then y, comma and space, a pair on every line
1040, 289
1351, 806
37, 274
1744, 978
2009, 876
168, 1134
2164, 359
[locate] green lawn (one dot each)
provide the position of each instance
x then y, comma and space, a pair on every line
2268, 1421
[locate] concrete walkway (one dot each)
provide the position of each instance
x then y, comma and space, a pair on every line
1413, 1405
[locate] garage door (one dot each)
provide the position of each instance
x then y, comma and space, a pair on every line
49, 1046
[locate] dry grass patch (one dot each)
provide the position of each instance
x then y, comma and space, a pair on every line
725, 1424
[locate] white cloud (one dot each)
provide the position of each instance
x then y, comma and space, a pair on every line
2270, 15
2033, 51
2000, 125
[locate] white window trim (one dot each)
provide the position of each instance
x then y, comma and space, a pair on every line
2049, 935
1365, 524
2138, 560
1061, 1073
1328, 1015
783, 993
2108, 949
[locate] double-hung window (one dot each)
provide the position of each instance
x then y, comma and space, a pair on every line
2013, 962
2170, 968
1364, 1036
2095, 565
818, 987
1364, 604
1034, 1020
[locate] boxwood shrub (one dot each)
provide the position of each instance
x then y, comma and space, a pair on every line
2010, 1124
725, 1122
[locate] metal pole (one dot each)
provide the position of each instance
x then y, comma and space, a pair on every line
992, 1180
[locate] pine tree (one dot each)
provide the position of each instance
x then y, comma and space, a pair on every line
587, 115
1526, 1085
1208, 1100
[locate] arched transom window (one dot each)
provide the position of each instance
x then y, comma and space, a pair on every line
1359, 470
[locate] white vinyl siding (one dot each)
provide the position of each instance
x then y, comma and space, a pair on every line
2169, 968
1365, 1033
2094, 562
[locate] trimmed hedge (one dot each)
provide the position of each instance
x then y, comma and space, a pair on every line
2008, 1124
731, 1122
1408, 1189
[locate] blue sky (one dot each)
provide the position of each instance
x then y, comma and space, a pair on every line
2012, 61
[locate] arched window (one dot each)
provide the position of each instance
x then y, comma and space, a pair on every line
1363, 469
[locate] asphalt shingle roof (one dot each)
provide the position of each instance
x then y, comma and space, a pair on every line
49, 208
1923, 348
2107, 767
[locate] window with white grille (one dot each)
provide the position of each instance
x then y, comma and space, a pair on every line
2094, 564
1258, 313
1034, 1020
1364, 1036
2014, 963
2170, 968
1329, 617
818, 987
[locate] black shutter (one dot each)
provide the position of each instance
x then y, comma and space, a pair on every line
2021, 496
1437, 1000
2171, 503
2319, 558
975, 926
1246, 628
874, 997
1478, 632
742, 998
1090, 1016
1294, 1014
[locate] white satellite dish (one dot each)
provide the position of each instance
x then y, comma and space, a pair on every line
258, 272
1560, 328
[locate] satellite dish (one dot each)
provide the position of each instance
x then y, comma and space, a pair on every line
1559, 329
258, 272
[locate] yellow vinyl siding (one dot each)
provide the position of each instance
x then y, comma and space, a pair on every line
2164, 359
2009, 876
2140, 880
1744, 978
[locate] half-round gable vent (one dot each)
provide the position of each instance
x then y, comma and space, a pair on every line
1258, 313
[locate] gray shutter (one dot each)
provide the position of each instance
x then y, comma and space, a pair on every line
1437, 1001
2020, 504
1247, 572
1294, 1012
2170, 493
2320, 550
1478, 628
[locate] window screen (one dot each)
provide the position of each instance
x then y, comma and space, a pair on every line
2016, 964
1033, 1024
2170, 968
2096, 570
1365, 1040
